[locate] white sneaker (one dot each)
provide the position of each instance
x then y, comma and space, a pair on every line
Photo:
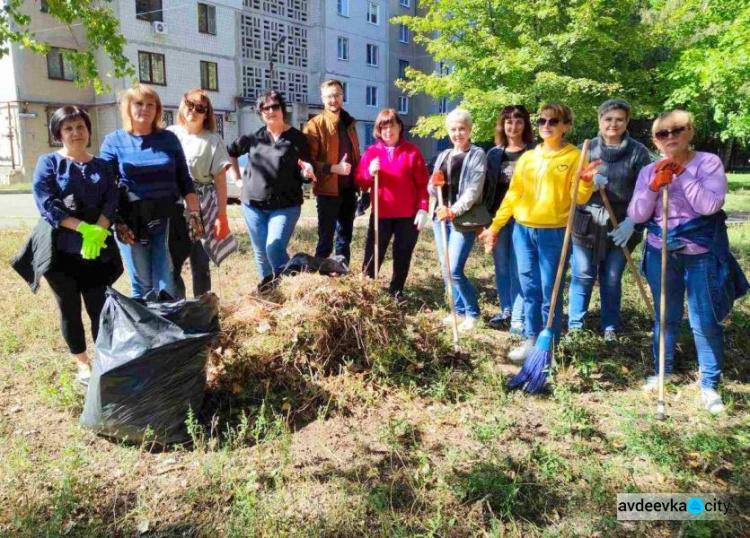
448, 320
520, 353
712, 401
84, 374
468, 324
652, 382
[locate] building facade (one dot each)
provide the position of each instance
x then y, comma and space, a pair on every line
175, 45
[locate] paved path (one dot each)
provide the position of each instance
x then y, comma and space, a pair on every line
19, 211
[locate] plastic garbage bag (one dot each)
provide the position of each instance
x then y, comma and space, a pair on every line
304, 263
149, 367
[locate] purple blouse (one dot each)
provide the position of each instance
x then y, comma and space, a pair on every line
699, 191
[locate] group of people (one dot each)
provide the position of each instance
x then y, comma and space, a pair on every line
163, 193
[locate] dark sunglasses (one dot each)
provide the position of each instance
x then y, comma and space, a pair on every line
275, 108
548, 121
198, 107
664, 134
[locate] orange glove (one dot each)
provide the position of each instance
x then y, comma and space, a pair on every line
664, 173
438, 179
221, 226
444, 213
588, 173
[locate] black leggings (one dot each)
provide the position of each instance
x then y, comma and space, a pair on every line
71, 279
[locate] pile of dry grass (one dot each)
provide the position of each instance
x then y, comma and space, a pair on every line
314, 325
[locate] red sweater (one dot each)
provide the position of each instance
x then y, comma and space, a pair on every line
402, 182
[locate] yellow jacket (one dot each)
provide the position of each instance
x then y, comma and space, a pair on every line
541, 189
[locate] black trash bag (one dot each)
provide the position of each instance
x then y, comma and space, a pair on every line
304, 263
150, 367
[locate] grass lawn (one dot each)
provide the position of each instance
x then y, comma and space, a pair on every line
20, 187
447, 451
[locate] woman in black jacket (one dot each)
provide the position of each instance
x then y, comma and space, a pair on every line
278, 164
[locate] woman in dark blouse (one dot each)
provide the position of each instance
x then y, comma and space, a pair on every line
278, 164
75, 192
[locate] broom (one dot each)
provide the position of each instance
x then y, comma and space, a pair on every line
533, 375
663, 302
628, 257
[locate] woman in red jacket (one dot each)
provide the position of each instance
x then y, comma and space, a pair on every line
402, 195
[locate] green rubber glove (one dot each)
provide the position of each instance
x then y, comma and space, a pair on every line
94, 239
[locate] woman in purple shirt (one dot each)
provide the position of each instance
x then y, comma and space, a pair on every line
697, 186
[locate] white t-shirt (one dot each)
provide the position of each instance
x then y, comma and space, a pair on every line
206, 153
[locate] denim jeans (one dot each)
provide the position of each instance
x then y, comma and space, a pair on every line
405, 236
584, 271
538, 253
506, 275
200, 269
691, 273
270, 231
459, 248
149, 265
336, 218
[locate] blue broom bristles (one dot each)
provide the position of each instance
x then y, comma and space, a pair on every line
533, 375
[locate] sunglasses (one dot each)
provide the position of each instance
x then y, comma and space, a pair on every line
198, 107
271, 108
665, 134
552, 122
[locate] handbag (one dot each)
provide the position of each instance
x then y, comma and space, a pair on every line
476, 217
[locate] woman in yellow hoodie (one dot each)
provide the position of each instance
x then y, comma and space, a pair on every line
539, 199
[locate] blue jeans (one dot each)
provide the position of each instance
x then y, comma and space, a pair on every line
584, 271
149, 265
270, 231
691, 273
459, 248
538, 253
506, 275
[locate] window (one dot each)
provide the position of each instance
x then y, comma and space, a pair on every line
445, 69
343, 48
342, 8
167, 117
148, 10
43, 7
403, 104
443, 105
209, 76
371, 98
151, 68
403, 33
345, 88
372, 55
59, 65
373, 13
404, 3
206, 19
402, 65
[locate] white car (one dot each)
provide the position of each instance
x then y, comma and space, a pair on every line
234, 188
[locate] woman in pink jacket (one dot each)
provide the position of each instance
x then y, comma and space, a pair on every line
402, 195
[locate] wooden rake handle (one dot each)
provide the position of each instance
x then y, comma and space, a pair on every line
568, 233
628, 257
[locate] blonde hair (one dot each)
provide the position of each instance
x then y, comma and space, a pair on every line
331, 82
209, 119
460, 115
139, 91
681, 116
558, 110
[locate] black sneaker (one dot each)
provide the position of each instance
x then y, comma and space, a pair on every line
500, 321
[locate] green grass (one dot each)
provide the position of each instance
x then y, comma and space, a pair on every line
21, 187
448, 452
738, 197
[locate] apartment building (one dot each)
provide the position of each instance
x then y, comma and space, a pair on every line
175, 45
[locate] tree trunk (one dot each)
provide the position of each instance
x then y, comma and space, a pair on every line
725, 153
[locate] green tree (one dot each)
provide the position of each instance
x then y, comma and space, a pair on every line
708, 70
101, 30
528, 51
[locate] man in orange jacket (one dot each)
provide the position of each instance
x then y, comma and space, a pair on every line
334, 147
